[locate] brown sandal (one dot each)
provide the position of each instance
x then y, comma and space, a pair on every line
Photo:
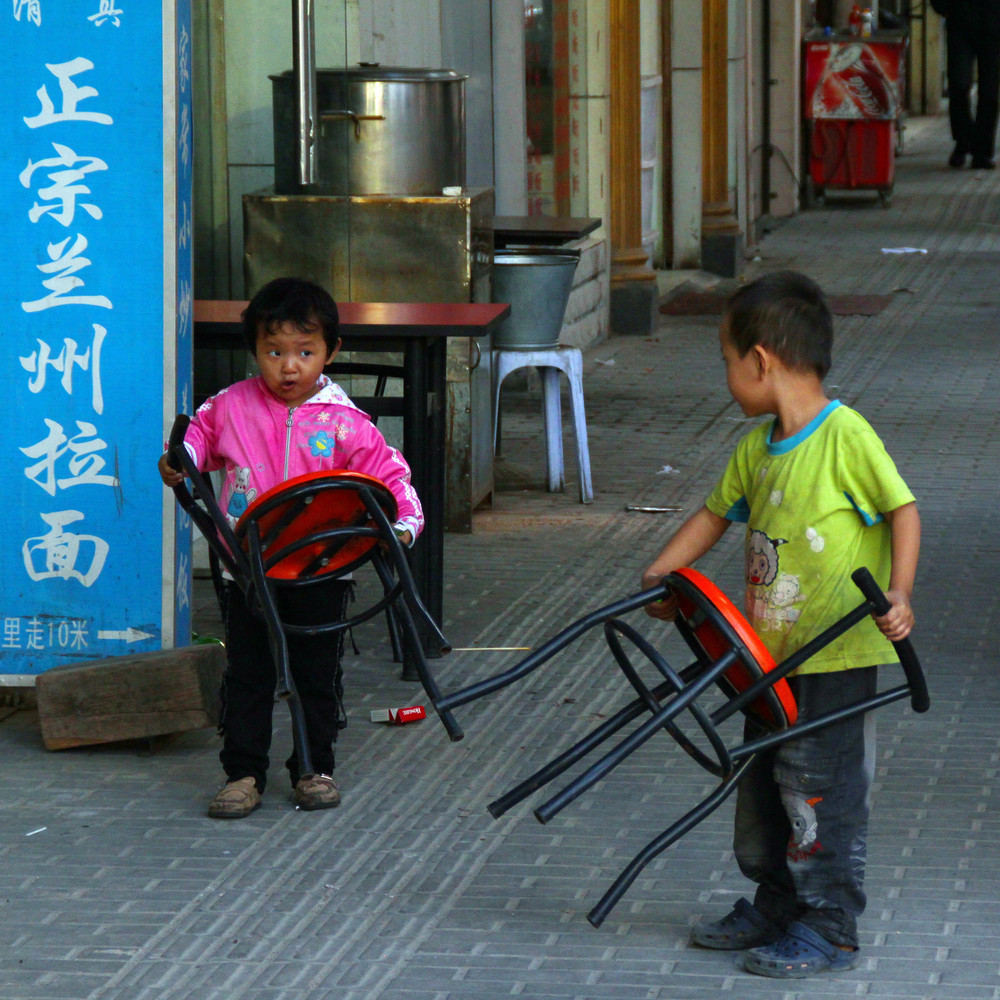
316, 791
235, 800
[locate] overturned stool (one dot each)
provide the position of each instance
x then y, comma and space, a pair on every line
729, 657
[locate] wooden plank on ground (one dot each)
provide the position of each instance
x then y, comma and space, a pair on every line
130, 697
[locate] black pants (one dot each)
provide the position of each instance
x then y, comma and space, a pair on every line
248, 685
973, 39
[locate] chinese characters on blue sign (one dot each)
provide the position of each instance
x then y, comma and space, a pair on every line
95, 342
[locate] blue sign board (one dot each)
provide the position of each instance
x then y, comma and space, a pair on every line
96, 334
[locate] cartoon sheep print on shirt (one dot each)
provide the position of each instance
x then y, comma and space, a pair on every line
241, 497
772, 596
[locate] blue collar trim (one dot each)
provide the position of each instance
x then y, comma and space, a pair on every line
785, 446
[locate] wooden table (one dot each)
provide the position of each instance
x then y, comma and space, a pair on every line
540, 230
419, 331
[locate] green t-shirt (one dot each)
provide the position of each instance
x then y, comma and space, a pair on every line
813, 506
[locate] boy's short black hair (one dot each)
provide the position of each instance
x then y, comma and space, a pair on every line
291, 300
787, 313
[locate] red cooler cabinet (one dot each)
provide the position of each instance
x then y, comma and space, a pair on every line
853, 108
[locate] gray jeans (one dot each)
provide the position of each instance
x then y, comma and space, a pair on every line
802, 812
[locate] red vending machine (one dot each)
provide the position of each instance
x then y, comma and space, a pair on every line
852, 102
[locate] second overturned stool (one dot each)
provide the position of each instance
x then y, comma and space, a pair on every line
549, 364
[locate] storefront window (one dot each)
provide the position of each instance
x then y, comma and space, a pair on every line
555, 43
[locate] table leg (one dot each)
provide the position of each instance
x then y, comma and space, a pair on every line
436, 472
424, 448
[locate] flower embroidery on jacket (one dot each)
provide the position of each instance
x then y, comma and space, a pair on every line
321, 445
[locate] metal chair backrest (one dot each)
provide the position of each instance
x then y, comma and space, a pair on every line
316, 524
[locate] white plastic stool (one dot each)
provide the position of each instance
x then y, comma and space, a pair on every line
549, 364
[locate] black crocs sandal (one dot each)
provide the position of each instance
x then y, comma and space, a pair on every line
743, 927
800, 953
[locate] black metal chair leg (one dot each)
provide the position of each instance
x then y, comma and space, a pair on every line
660, 843
575, 753
392, 626
547, 650
627, 746
412, 639
279, 652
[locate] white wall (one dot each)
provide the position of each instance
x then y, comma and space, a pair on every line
594, 112
466, 47
686, 140
756, 93
509, 125
786, 107
650, 67
258, 39
398, 32
739, 124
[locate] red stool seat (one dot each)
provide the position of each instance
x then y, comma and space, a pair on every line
308, 505
714, 635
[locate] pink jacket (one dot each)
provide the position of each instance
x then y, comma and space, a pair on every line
260, 442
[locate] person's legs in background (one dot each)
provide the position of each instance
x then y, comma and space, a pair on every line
960, 60
987, 51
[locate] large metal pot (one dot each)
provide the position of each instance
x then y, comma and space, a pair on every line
382, 130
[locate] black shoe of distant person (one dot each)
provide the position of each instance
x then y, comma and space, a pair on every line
983, 163
957, 158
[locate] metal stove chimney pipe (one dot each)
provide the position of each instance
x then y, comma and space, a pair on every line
304, 67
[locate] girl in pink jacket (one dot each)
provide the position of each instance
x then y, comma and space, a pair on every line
289, 420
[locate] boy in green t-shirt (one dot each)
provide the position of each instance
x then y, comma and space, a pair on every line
820, 497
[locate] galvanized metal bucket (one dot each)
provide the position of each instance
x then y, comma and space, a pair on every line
537, 286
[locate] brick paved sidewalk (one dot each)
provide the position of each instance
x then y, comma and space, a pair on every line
114, 885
